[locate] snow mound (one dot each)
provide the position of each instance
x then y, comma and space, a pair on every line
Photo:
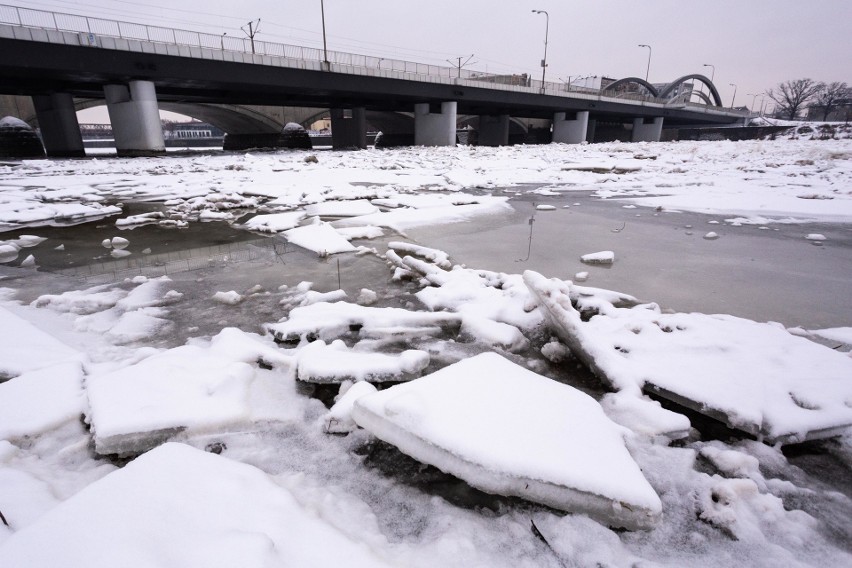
756, 377
178, 506
510, 431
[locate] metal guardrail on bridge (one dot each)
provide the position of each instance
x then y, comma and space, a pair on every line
342, 62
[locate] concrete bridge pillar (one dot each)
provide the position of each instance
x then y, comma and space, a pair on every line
348, 128
570, 130
135, 118
590, 131
647, 132
57, 120
435, 128
494, 130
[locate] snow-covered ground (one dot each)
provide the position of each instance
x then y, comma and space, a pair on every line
258, 365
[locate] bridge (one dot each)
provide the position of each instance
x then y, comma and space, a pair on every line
251, 89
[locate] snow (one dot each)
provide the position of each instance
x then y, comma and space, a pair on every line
320, 238
335, 363
38, 401
602, 257
555, 446
30, 348
149, 361
188, 388
756, 376
222, 513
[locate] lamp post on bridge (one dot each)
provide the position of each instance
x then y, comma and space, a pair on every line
546, 31
753, 98
648, 68
735, 94
324, 46
712, 72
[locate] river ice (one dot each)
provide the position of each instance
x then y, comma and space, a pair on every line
105, 359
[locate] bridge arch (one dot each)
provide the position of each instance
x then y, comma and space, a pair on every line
633, 80
667, 91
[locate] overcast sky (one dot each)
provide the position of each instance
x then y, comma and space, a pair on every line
754, 44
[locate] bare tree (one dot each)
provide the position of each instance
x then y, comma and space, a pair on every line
792, 96
829, 96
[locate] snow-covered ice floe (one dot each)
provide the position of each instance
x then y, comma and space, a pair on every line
507, 430
29, 348
179, 506
328, 321
335, 363
192, 388
756, 377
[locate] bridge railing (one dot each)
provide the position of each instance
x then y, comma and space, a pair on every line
350, 62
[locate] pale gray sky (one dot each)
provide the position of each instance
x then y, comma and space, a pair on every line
754, 44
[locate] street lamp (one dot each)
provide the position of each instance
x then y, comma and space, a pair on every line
753, 98
735, 94
546, 30
324, 46
713, 72
647, 69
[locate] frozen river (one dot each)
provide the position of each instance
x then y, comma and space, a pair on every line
450, 265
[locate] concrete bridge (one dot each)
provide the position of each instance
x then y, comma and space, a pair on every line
65, 62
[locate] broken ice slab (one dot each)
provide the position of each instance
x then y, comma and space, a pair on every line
509, 431
335, 363
329, 321
755, 377
179, 506
25, 347
189, 388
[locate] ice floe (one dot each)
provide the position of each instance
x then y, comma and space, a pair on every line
756, 377
554, 444
179, 506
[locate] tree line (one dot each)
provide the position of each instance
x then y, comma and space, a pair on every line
792, 97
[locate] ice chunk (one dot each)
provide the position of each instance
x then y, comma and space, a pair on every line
192, 388
338, 420
231, 297
179, 506
602, 257
756, 377
344, 208
644, 416
320, 238
24, 347
274, 222
335, 363
40, 400
510, 431
329, 321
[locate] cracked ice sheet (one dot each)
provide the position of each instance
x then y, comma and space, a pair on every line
510, 431
757, 376
179, 506
199, 387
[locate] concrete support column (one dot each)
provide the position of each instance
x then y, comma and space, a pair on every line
435, 128
570, 130
590, 131
647, 132
494, 130
57, 120
135, 119
348, 128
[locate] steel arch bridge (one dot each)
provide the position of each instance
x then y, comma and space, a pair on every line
672, 90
